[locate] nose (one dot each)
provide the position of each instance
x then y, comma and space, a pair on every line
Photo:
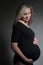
28, 16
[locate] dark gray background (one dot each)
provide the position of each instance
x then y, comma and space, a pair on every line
7, 15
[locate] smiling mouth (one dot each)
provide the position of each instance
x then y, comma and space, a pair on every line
27, 18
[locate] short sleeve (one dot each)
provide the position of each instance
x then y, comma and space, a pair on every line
15, 33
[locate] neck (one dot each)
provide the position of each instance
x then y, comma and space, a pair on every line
25, 23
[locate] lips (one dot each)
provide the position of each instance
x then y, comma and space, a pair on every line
27, 18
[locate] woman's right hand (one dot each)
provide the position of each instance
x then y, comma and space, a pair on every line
29, 60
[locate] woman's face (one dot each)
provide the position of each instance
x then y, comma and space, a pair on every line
26, 15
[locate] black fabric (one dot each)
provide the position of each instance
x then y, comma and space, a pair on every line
25, 36
15, 33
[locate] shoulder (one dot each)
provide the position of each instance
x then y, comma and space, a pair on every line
17, 25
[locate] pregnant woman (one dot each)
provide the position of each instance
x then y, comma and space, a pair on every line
23, 40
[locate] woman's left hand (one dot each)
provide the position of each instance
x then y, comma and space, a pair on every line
35, 41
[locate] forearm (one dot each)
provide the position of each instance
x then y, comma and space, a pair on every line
19, 52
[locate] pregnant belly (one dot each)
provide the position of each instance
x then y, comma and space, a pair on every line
32, 51
35, 52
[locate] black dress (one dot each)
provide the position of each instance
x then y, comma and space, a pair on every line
25, 36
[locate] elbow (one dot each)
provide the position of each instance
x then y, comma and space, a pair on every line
14, 46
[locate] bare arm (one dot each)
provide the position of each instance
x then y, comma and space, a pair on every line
15, 48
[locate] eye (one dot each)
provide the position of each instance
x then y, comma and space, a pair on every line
25, 13
29, 13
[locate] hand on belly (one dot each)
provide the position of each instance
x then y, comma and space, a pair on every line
35, 41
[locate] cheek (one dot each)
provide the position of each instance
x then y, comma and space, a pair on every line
29, 15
